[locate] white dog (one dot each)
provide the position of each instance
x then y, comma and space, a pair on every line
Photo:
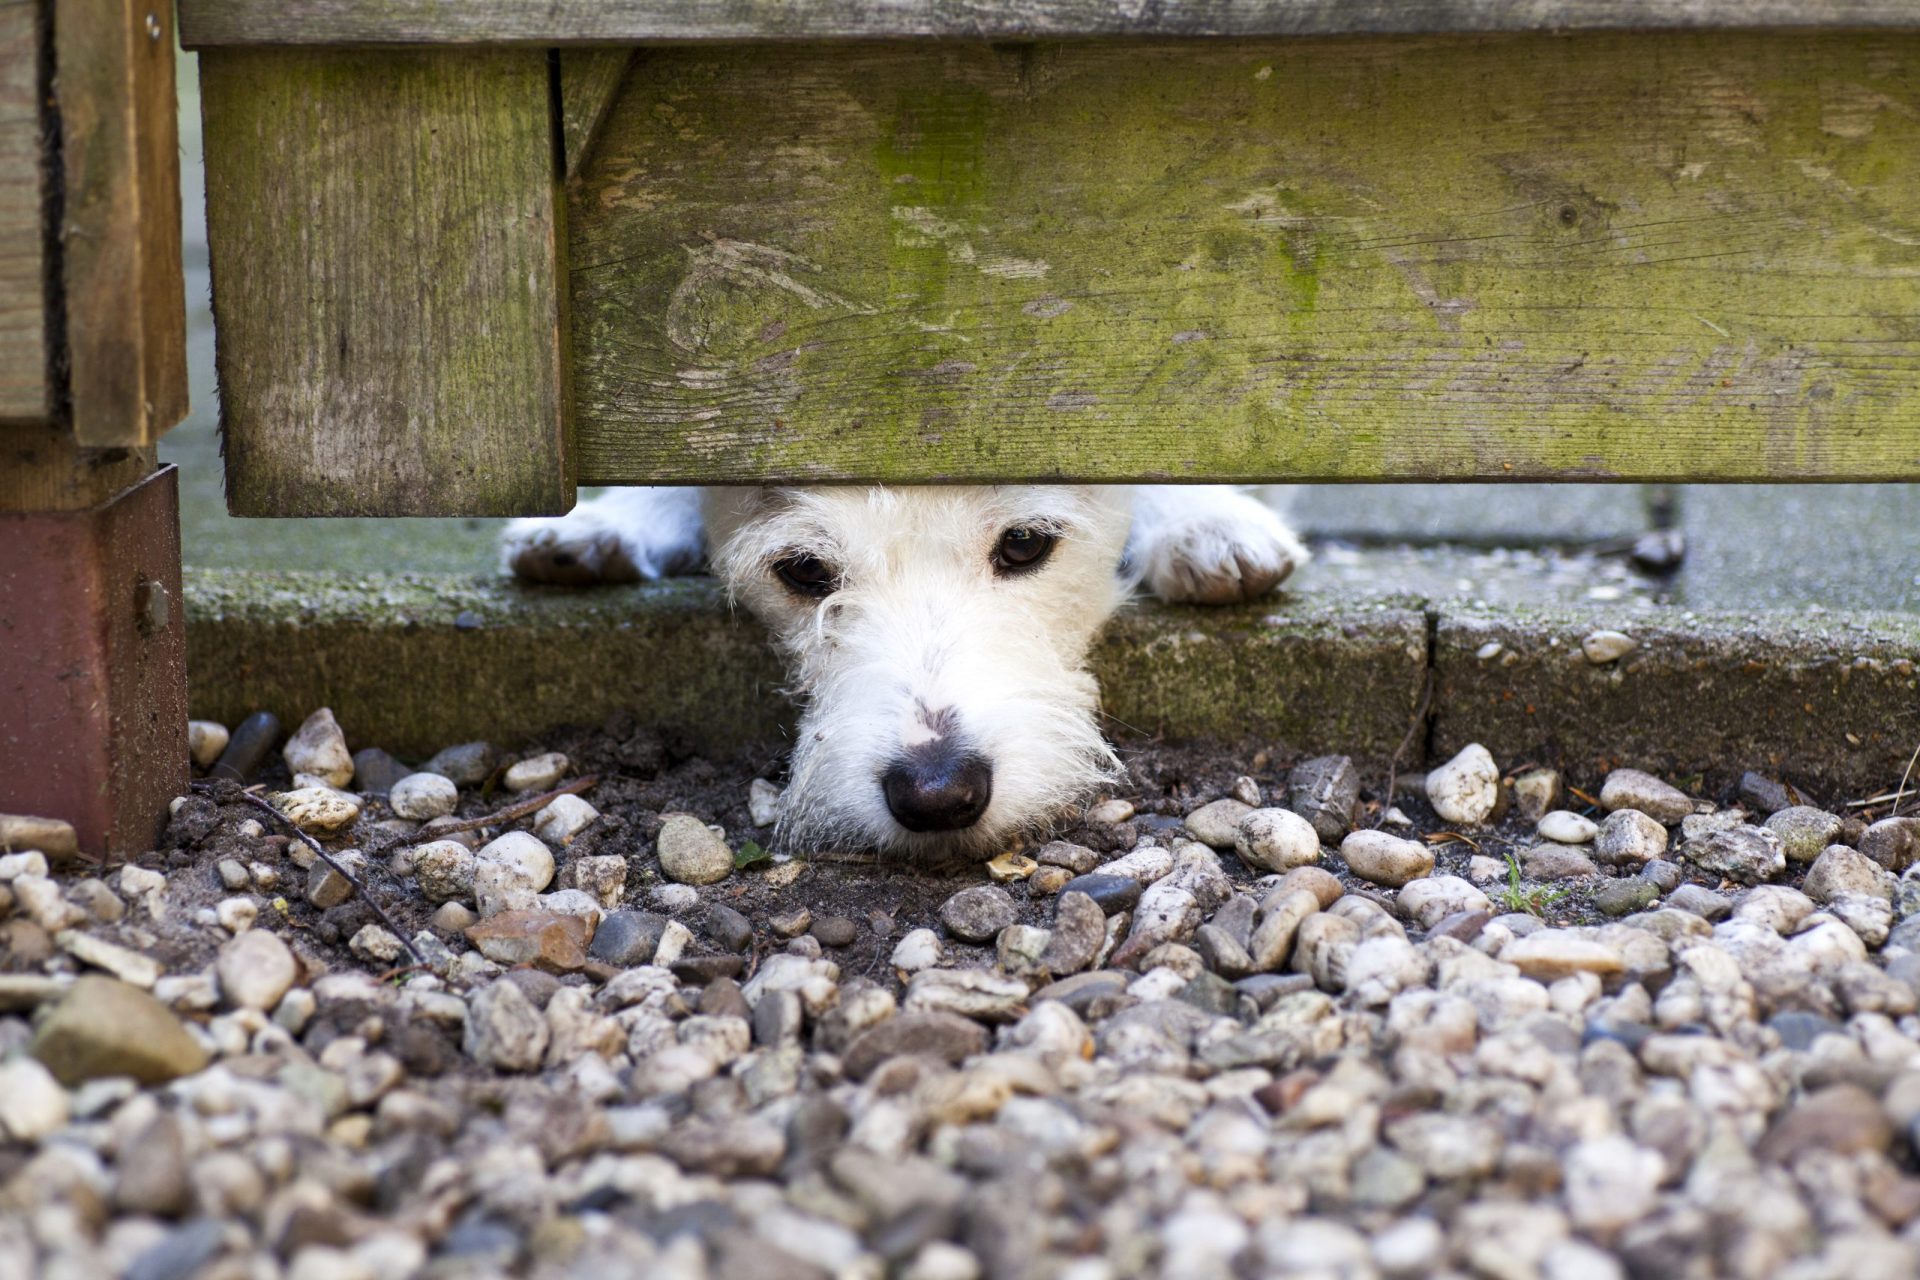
938, 636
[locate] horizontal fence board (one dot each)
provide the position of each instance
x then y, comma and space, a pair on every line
232, 22
384, 231
1625, 256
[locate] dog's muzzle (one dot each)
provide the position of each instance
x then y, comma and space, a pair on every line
941, 786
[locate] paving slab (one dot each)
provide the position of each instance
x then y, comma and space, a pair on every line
1780, 546
1481, 515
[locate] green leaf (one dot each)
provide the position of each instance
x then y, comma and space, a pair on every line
748, 854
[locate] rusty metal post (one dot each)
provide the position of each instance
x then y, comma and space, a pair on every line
93, 710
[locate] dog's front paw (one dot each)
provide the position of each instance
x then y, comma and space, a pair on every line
1222, 557
578, 550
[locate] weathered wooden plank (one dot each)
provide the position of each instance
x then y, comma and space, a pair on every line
125, 297
547, 22
25, 384
589, 79
42, 469
384, 237
1625, 256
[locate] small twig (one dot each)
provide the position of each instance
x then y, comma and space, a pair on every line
518, 809
1901, 792
1393, 763
267, 806
1882, 798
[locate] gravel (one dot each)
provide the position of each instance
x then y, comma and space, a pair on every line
1151, 1054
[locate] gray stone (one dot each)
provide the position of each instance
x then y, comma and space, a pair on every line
1222, 953
469, 764
375, 772
1079, 929
1764, 795
1325, 791
1894, 843
1663, 875
444, 870
729, 930
835, 931
151, 1171
1551, 861
1112, 894
1804, 831
627, 938
1747, 854
1624, 896
1629, 837
946, 1037
1084, 992
1075, 858
422, 797
504, 1029
255, 970
1840, 870
979, 913
1701, 901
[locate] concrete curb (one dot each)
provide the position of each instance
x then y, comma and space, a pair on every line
413, 662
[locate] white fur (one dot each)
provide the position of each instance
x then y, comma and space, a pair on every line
922, 637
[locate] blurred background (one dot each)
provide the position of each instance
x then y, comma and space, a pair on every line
1742, 547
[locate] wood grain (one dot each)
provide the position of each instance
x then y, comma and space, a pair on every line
384, 235
25, 388
550, 22
589, 79
1610, 256
125, 297
42, 469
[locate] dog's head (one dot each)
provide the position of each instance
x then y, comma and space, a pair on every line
939, 637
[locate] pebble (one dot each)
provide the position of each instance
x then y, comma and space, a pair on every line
326, 887
33, 1106
444, 870
763, 802
546, 940
1217, 825
969, 993
1466, 789
1551, 861
504, 1030
375, 945
1112, 894
523, 860
1111, 813
1075, 858
564, 818
423, 796
943, 1037
318, 747
835, 931
689, 851
1629, 837
255, 969
1536, 793
1385, 859
1563, 826
1079, 930
1804, 831
729, 930
1550, 954
918, 949
1840, 870
468, 764
122, 962
1744, 853
538, 773
1602, 647
1894, 843
791, 924
1276, 840
1010, 866
1632, 789
1624, 896
206, 739
979, 913
375, 772
318, 809
1429, 900
1325, 790
103, 1027
1699, 900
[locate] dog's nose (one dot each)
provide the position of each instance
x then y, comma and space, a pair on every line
944, 789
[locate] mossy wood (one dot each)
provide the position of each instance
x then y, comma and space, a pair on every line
386, 237
26, 390
217, 22
1602, 256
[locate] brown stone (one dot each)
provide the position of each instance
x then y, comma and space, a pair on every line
544, 939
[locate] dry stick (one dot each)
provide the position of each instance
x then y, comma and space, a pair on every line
1393, 763
518, 809
385, 920
1900, 792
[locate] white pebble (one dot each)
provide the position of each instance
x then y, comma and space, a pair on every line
1602, 647
920, 949
423, 797
1563, 826
564, 819
319, 748
32, 1103
527, 861
236, 915
206, 739
1465, 789
763, 802
537, 774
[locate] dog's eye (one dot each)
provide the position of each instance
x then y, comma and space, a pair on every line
806, 575
1022, 549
